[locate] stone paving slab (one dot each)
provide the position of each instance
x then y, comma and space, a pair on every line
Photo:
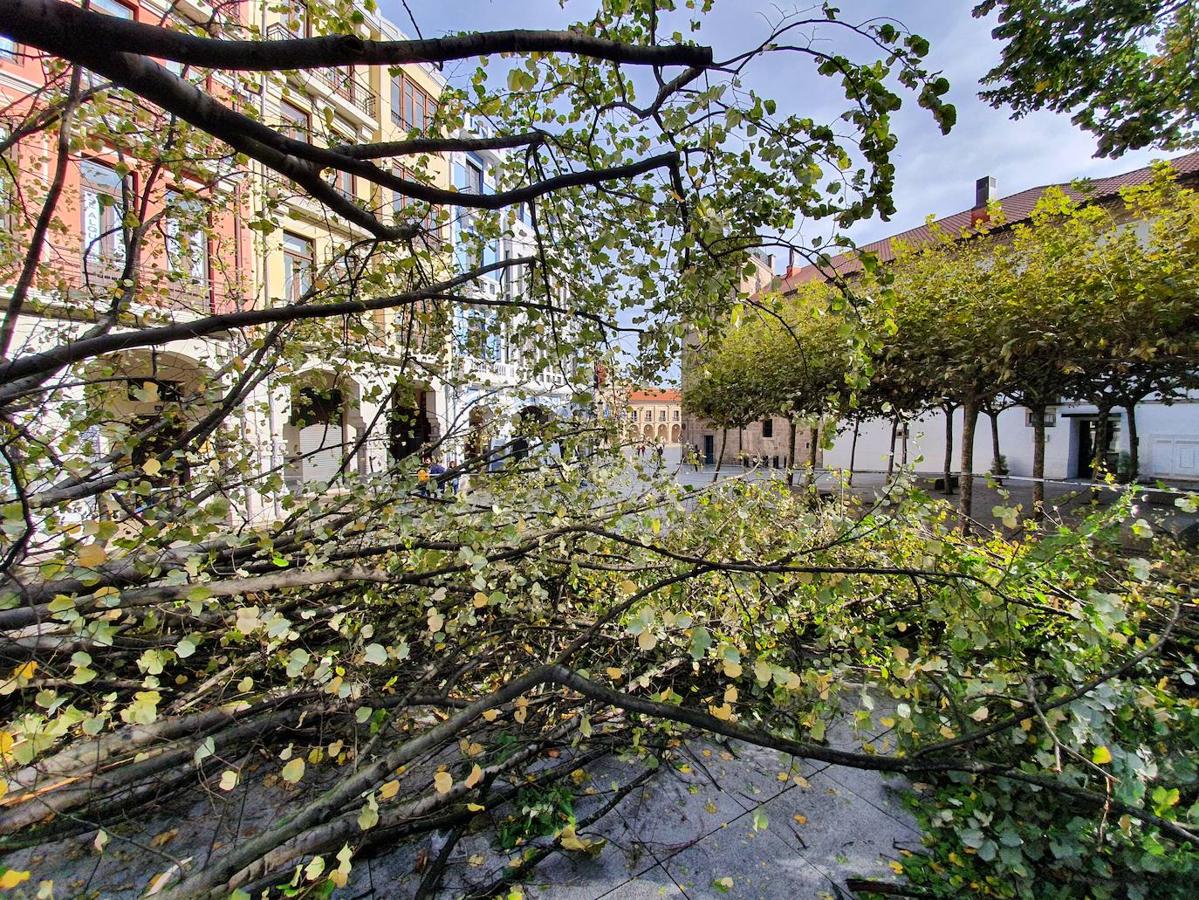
719, 810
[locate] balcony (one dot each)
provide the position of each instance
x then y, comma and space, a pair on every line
342, 83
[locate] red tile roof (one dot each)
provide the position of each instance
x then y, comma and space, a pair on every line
656, 395
1016, 207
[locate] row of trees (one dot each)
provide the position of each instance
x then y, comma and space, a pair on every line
1084, 301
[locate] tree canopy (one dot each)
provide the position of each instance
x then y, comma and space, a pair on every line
395, 652
1125, 71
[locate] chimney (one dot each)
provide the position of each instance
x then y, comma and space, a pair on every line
984, 192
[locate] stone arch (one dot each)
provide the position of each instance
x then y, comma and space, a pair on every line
648, 433
145, 402
323, 426
661, 435
674, 434
411, 426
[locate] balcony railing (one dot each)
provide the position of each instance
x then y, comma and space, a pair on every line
343, 83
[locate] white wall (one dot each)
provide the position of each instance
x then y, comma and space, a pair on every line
1169, 441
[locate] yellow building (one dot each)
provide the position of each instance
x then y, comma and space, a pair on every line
322, 414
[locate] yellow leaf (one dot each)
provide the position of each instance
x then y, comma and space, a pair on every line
1101, 756
614, 673
11, 878
151, 467
423, 475
480, 600
228, 780
724, 712
800, 819
475, 807
389, 790
491, 714
730, 694
896, 867
477, 858
475, 776
900, 653
163, 838
980, 714
647, 640
628, 586
732, 669
293, 771
92, 555
443, 782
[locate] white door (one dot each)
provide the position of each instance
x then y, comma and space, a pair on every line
320, 446
1175, 457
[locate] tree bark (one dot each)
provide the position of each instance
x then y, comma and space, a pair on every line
853, 448
724, 439
1134, 453
903, 442
996, 467
891, 455
966, 498
1038, 462
948, 474
791, 453
813, 449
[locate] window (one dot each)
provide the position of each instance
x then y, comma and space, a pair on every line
1050, 418
411, 106
474, 175
103, 235
343, 182
297, 21
295, 121
662, 415
298, 262
112, 8
8, 48
470, 176
676, 415
186, 238
767, 428
344, 82
109, 8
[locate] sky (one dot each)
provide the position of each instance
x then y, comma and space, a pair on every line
935, 173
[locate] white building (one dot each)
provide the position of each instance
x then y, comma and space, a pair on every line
1168, 433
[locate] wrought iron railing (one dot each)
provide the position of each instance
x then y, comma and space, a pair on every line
351, 89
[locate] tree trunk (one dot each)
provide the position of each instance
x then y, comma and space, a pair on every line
948, 473
996, 468
813, 447
966, 499
903, 444
791, 454
891, 455
724, 439
1134, 454
1099, 453
1038, 463
853, 448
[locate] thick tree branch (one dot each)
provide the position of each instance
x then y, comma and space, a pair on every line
26, 20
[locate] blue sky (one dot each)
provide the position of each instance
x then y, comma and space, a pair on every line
935, 173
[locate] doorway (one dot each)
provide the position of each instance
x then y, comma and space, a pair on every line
1087, 427
709, 449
